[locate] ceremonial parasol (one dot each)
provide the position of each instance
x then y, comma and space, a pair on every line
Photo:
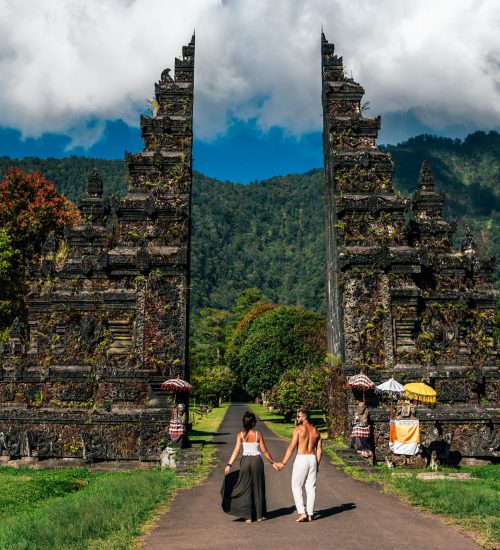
176, 385
360, 382
420, 392
392, 386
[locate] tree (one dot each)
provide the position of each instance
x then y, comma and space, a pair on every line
30, 209
208, 338
211, 384
244, 302
276, 339
7, 255
302, 387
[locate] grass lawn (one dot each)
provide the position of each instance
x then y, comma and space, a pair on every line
78, 509
474, 504
205, 426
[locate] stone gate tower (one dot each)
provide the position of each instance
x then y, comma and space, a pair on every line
108, 307
400, 300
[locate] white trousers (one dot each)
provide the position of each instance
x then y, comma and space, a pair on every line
304, 472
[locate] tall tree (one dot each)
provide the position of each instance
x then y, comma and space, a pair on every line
277, 339
30, 209
208, 338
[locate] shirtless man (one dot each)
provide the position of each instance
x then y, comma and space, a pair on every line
307, 440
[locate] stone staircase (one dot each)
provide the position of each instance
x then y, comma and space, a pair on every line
353, 459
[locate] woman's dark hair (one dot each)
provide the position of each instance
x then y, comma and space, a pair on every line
249, 421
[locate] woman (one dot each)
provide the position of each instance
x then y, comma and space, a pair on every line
247, 497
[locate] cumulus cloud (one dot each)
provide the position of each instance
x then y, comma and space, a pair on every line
65, 64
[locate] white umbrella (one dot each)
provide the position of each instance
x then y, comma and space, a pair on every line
392, 386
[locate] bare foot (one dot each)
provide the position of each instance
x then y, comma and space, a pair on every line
249, 521
309, 518
302, 518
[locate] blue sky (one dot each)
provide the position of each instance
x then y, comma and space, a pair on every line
76, 75
243, 154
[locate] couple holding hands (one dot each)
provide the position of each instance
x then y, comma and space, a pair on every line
244, 492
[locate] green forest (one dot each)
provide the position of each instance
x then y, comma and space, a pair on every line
269, 234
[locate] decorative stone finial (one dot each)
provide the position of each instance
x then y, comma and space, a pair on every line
94, 184
15, 330
166, 81
426, 179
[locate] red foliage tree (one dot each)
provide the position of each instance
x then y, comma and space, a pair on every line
30, 209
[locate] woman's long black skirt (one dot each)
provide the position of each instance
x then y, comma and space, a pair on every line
245, 497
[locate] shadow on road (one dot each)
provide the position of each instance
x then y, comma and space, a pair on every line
322, 514
281, 512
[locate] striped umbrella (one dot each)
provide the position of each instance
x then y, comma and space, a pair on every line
176, 385
360, 382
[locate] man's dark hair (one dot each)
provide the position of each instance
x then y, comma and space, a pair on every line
305, 412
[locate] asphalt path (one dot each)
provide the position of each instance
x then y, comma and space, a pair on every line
349, 514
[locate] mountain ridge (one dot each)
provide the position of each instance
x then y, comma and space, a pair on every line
269, 234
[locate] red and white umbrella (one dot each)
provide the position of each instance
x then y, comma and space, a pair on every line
176, 384
360, 382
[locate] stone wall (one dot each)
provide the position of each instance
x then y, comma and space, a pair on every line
108, 306
401, 301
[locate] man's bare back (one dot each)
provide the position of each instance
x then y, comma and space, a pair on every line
308, 438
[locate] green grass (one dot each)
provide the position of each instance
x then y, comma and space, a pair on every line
277, 424
206, 426
76, 509
474, 504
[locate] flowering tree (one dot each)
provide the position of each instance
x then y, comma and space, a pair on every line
30, 209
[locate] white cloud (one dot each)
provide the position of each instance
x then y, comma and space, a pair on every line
64, 63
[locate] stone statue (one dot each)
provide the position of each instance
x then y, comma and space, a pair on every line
177, 429
404, 409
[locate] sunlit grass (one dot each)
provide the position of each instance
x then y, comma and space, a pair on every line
76, 509
205, 426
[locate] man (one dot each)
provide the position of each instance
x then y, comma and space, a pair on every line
307, 440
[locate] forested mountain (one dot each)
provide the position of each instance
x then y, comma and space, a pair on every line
467, 171
269, 234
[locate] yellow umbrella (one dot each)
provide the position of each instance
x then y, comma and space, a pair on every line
420, 392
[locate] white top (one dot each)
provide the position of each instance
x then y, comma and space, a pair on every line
251, 449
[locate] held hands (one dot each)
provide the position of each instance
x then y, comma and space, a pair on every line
278, 466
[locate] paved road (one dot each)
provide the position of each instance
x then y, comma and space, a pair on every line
351, 514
